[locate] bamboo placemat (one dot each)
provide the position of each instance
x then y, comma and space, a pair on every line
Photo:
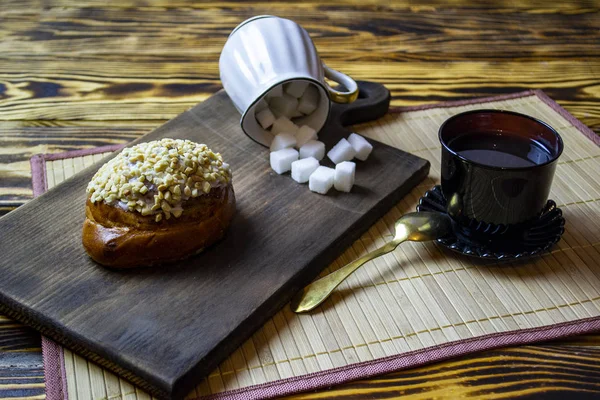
416, 305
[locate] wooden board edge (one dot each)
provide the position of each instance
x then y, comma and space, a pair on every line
13, 310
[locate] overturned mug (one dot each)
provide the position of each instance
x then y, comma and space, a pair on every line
267, 51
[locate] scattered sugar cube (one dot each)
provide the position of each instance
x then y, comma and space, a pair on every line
313, 148
342, 151
296, 88
265, 118
283, 141
304, 134
343, 179
285, 104
284, 125
296, 114
260, 105
321, 180
302, 169
281, 160
309, 100
361, 146
276, 91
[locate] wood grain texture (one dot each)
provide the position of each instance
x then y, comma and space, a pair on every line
350, 31
21, 372
528, 372
96, 66
144, 89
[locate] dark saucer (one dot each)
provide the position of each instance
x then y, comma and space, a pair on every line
499, 242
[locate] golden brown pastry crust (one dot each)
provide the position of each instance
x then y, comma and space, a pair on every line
124, 239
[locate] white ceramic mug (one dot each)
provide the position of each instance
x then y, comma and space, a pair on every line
266, 51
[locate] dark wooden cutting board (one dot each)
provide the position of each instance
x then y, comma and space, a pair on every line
165, 328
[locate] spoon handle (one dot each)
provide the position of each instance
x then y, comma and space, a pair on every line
315, 293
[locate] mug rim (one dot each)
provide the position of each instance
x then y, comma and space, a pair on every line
250, 20
494, 111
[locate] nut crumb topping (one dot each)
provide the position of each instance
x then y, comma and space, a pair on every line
156, 178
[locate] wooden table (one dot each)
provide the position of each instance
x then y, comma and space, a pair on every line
84, 74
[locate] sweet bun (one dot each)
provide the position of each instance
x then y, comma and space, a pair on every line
157, 202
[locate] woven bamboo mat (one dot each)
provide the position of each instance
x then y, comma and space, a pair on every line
415, 305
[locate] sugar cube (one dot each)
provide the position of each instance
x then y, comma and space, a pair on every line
342, 151
302, 169
277, 113
281, 160
260, 105
284, 125
296, 88
265, 118
276, 91
309, 100
361, 146
313, 148
285, 104
294, 114
283, 141
304, 134
343, 179
321, 180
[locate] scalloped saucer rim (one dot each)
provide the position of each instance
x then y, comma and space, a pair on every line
433, 200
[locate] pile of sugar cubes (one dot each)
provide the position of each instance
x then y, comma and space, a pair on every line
285, 102
297, 148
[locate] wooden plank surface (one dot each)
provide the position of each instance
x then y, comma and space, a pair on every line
83, 74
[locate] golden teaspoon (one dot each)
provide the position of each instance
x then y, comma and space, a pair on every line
416, 227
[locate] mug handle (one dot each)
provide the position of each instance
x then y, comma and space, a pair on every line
336, 95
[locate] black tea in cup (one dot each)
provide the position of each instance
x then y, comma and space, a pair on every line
497, 166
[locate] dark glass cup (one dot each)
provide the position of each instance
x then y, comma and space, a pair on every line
497, 167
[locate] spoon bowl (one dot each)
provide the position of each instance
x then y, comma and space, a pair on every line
422, 226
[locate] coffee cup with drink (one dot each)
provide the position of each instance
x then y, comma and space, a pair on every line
497, 169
